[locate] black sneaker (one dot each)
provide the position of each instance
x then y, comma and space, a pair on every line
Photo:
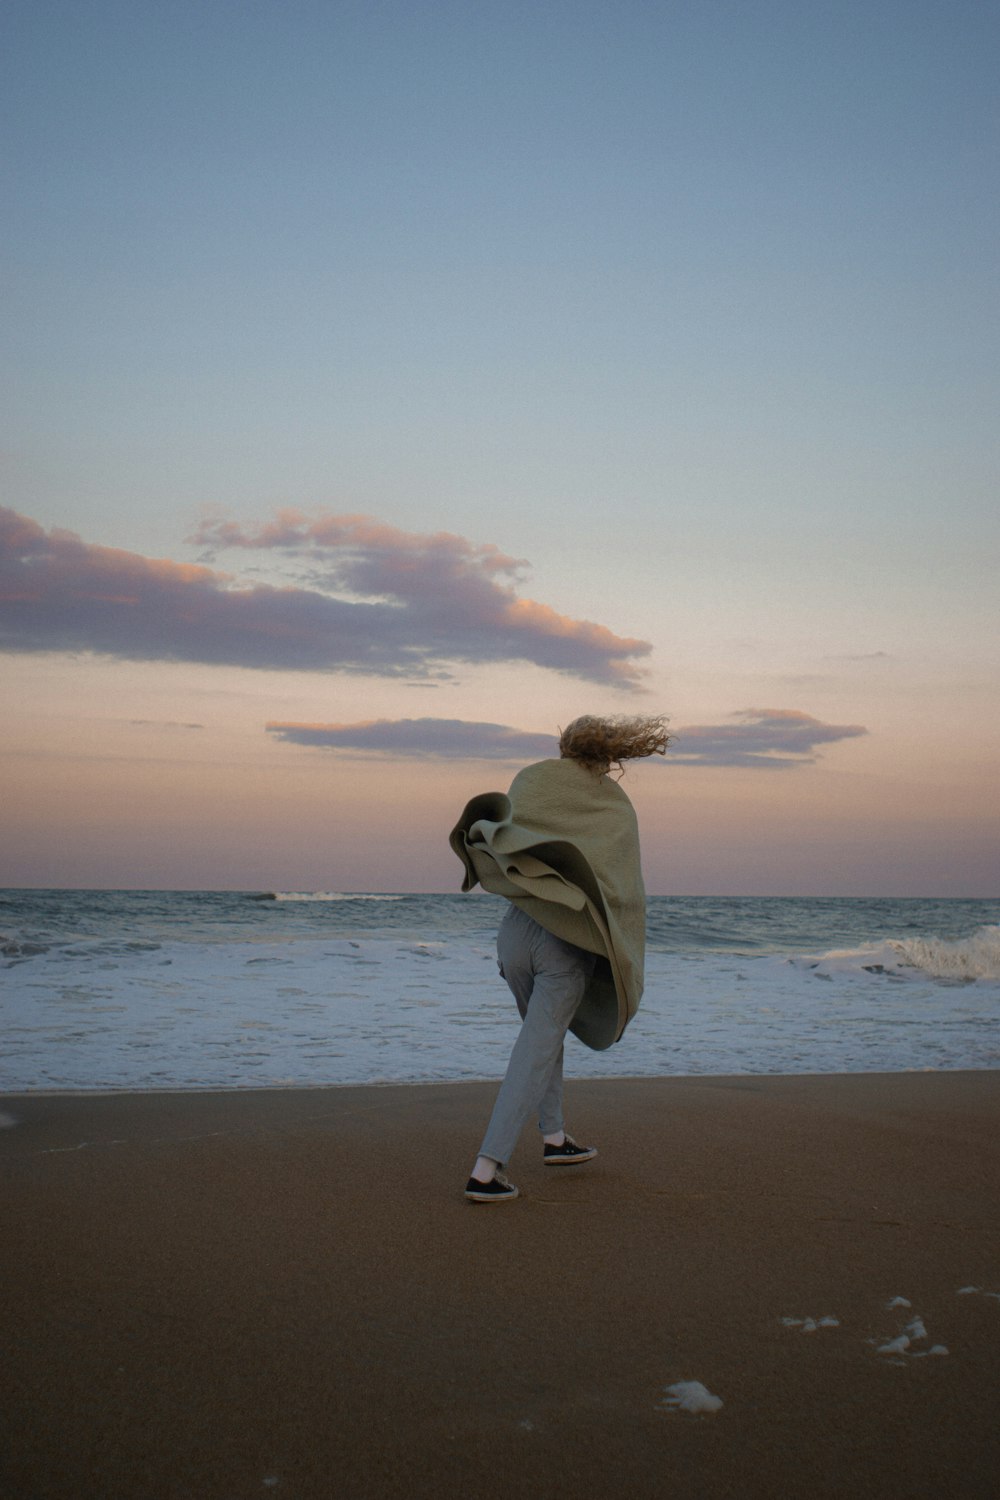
567, 1154
497, 1191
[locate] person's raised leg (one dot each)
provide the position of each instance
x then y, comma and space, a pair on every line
553, 1004
558, 1149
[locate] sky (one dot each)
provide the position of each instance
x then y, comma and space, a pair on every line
386, 384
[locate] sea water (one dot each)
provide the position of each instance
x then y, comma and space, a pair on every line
182, 990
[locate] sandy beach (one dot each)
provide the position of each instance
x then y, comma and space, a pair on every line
284, 1292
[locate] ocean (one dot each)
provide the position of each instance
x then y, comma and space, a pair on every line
211, 989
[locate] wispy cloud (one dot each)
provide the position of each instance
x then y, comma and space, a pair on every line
440, 739
766, 739
413, 604
162, 724
862, 656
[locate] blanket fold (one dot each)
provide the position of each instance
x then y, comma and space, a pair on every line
563, 845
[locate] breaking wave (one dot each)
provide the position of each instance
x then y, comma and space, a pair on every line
323, 896
956, 959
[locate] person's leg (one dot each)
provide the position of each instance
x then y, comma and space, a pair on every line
558, 974
550, 1112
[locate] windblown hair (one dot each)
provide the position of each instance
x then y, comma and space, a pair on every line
600, 744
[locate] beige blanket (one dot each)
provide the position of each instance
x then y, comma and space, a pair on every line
563, 845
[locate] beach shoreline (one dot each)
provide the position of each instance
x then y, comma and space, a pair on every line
104, 1091
217, 1293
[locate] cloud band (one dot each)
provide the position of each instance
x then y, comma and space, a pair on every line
762, 739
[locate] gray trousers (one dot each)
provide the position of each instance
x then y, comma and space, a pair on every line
547, 978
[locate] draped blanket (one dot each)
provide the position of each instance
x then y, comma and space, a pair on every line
563, 845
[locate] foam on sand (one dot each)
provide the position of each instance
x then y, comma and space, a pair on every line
900, 1349
690, 1395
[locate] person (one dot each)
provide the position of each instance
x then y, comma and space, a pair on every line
562, 846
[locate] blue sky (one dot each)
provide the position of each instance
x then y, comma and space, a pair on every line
693, 307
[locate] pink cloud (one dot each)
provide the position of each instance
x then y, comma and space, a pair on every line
459, 597
413, 604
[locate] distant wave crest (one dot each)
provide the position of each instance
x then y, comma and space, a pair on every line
959, 959
325, 896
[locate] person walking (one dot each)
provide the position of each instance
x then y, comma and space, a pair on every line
562, 845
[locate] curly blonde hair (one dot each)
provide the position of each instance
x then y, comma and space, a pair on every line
600, 744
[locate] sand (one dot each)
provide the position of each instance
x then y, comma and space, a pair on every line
284, 1292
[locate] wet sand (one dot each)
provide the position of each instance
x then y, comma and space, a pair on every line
284, 1292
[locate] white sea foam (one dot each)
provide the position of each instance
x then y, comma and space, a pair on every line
327, 896
360, 1010
965, 959
900, 1349
690, 1395
894, 1346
